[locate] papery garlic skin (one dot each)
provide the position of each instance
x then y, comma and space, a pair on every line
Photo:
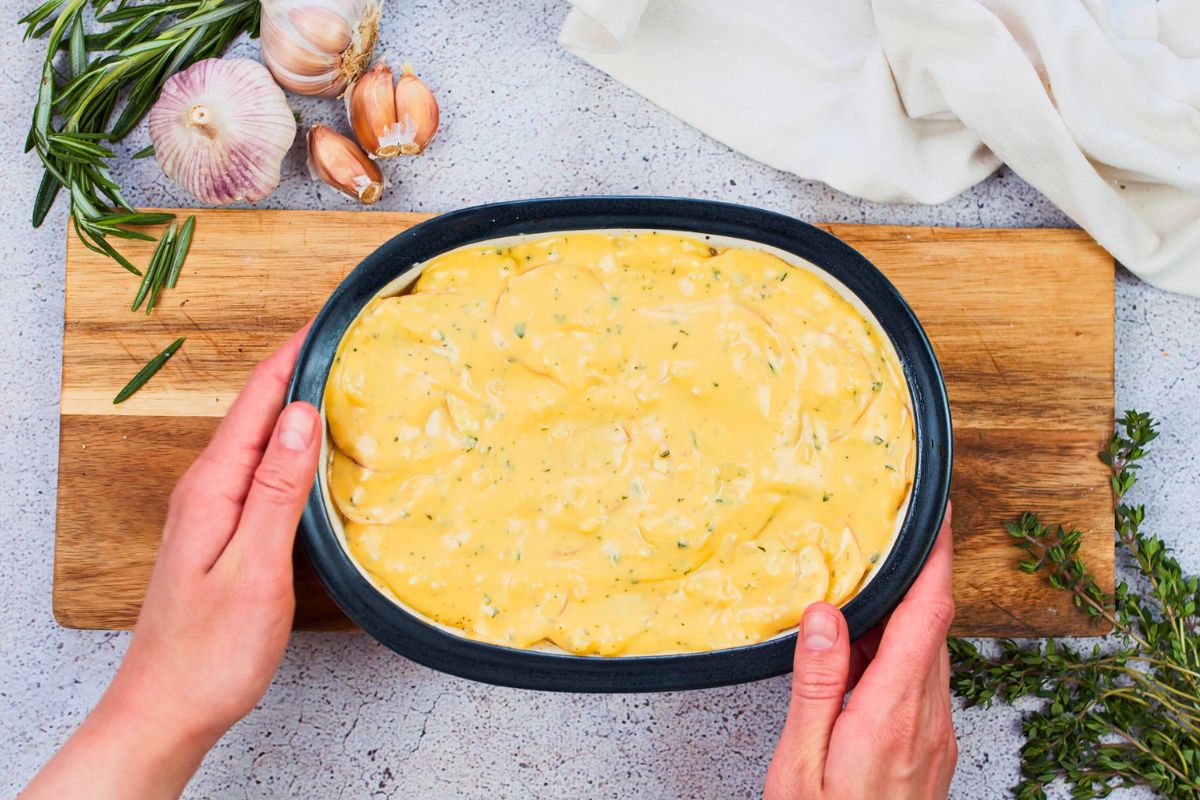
371, 105
339, 162
416, 111
318, 47
221, 129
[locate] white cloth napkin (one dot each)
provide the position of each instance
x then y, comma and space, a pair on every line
1094, 102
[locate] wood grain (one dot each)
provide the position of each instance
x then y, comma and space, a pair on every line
1022, 321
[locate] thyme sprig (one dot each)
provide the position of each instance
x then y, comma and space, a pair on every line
1122, 713
122, 65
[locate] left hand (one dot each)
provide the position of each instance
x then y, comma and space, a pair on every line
219, 607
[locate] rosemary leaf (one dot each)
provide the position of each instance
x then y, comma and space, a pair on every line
103, 226
100, 245
147, 372
47, 191
161, 268
33, 18
141, 218
77, 49
43, 112
145, 152
151, 274
182, 244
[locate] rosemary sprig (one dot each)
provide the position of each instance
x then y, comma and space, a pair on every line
1123, 714
147, 372
122, 65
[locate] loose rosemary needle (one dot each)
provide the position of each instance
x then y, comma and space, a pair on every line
147, 372
163, 270
182, 244
151, 282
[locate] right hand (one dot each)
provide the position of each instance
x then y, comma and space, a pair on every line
894, 738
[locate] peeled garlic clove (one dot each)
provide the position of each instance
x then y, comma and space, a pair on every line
221, 129
318, 47
371, 102
416, 112
343, 165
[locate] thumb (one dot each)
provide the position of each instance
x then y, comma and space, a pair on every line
267, 527
819, 680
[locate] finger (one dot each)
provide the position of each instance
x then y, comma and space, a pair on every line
938, 685
267, 528
818, 685
208, 498
916, 632
250, 420
863, 651
951, 741
936, 578
942, 745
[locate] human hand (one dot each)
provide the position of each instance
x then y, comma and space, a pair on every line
895, 737
218, 610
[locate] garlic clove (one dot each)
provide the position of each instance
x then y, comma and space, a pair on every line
221, 128
342, 164
371, 103
303, 66
325, 30
416, 112
318, 47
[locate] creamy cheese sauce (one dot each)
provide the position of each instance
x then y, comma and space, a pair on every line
617, 444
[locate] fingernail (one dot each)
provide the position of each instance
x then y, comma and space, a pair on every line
820, 630
296, 427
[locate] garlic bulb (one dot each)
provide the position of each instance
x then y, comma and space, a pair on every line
221, 128
343, 165
318, 46
390, 122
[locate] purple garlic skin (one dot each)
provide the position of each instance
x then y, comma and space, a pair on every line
221, 128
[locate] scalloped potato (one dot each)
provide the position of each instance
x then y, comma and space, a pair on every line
617, 444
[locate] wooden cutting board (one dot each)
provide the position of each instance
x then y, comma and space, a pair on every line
1022, 321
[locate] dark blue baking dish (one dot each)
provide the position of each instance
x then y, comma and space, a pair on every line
440, 649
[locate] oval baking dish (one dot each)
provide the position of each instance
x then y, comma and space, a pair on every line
395, 264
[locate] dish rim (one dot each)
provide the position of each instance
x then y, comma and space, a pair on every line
436, 648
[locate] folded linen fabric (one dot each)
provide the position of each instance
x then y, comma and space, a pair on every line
1096, 103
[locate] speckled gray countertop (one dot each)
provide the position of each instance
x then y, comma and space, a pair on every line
345, 717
